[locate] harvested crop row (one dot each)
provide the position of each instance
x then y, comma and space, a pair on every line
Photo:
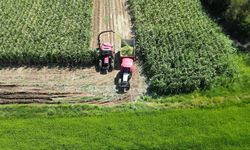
182, 49
45, 31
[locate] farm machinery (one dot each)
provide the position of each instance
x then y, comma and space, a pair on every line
106, 60
106, 54
127, 58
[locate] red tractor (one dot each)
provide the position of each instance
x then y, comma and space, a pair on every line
127, 55
106, 54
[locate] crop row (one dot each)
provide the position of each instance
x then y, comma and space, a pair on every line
181, 48
47, 31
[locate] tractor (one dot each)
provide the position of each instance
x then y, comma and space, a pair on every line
127, 57
106, 54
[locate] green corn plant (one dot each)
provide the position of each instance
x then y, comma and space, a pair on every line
42, 32
181, 48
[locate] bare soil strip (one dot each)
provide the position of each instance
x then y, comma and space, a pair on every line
78, 85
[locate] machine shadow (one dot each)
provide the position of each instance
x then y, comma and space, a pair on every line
117, 61
48, 66
119, 90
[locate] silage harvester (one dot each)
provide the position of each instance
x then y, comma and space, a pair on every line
106, 54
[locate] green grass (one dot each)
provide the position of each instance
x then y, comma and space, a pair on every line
223, 128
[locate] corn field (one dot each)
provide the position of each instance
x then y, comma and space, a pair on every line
181, 48
45, 31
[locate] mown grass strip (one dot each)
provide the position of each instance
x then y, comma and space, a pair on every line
226, 128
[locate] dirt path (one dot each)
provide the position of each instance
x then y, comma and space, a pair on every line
113, 15
80, 85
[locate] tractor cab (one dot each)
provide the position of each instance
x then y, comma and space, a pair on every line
127, 64
106, 49
126, 72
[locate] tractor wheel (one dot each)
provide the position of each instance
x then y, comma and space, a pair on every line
112, 65
105, 71
127, 89
100, 64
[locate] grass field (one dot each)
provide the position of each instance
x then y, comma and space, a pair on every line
223, 128
218, 119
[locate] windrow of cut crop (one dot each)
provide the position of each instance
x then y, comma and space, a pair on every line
45, 31
181, 48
